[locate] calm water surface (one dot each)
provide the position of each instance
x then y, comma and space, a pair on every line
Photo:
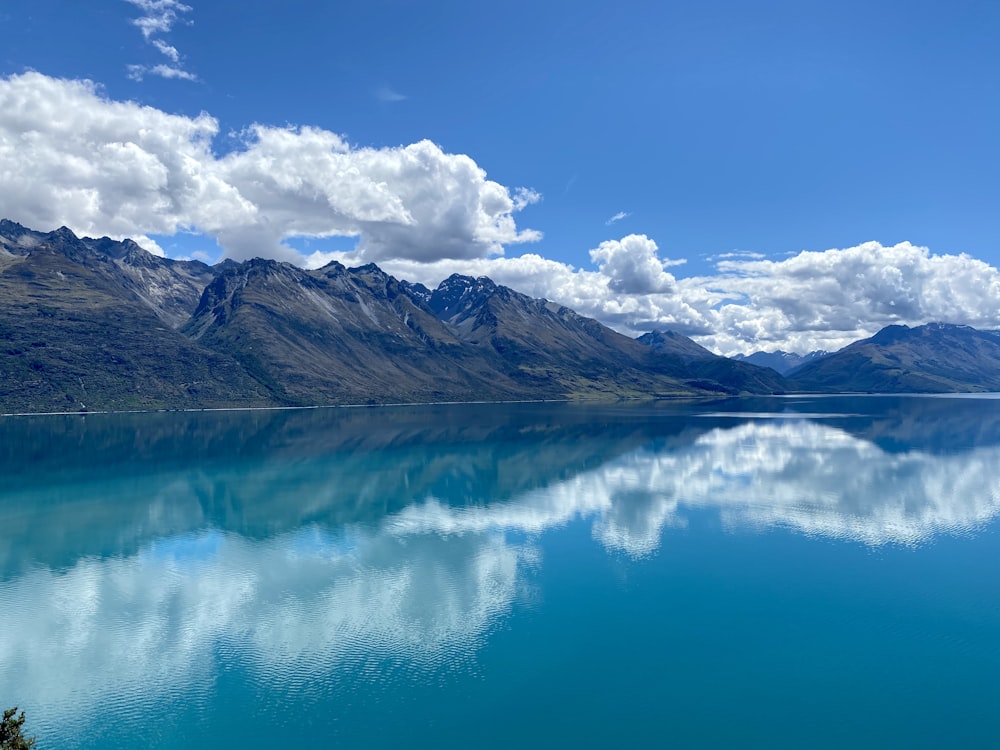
796, 572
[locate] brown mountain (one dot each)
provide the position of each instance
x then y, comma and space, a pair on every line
106, 325
337, 335
549, 348
77, 331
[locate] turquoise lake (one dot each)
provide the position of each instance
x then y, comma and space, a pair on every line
801, 572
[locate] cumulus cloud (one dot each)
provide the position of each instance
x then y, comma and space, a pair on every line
828, 299
100, 167
413, 201
159, 17
809, 301
632, 265
73, 157
825, 300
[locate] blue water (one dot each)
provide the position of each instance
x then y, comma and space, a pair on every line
773, 573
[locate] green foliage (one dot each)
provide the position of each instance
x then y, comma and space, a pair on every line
11, 737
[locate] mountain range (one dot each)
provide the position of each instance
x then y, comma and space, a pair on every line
95, 324
99, 324
780, 361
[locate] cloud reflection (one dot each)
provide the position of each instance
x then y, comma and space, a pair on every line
97, 635
800, 475
424, 584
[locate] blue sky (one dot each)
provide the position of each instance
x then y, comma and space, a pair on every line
709, 129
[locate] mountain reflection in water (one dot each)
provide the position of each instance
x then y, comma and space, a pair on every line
139, 547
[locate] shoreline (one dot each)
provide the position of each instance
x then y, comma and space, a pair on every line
297, 408
988, 395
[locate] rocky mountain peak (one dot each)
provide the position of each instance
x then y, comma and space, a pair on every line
11, 229
416, 292
368, 268
136, 255
457, 294
63, 234
14, 237
332, 269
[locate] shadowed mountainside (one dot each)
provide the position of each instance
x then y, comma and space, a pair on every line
80, 328
933, 358
545, 345
338, 336
706, 370
101, 324
97, 324
780, 361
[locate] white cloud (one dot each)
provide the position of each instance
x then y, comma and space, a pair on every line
139, 72
159, 17
524, 197
389, 95
411, 201
100, 167
146, 243
824, 300
740, 254
632, 265
809, 301
169, 51
617, 217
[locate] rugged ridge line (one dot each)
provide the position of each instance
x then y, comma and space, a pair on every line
101, 324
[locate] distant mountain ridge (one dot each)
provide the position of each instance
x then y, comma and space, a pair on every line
932, 358
706, 368
780, 361
101, 324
